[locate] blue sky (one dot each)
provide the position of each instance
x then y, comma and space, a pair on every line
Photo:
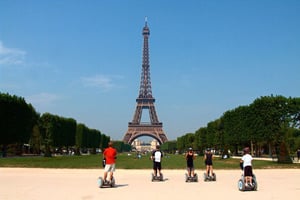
82, 59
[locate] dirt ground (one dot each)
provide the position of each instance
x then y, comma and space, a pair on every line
44, 184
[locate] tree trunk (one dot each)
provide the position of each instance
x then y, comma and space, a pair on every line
284, 156
252, 148
270, 150
47, 151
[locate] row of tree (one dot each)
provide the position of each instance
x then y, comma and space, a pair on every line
268, 125
20, 123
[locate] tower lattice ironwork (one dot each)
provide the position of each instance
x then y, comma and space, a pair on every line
145, 100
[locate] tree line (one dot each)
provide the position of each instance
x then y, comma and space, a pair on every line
269, 125
20, 124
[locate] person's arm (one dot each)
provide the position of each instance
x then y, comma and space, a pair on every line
152, 155
241, 165
104, 153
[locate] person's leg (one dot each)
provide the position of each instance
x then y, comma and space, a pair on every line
106, 170
193, 172
211, 169
189, 171
112, 169
105, 176
207, 170
250, 175
154, 169
245, 177
159, 168
111, 176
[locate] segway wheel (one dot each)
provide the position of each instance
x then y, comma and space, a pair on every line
152, 177
186, 178
196, 177
161, 177
254, 183
100, 182
241, 185
205, 178
113, 182
214, 177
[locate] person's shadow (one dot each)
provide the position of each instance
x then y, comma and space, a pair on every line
115, 186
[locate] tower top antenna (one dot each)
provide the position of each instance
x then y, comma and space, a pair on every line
146, 20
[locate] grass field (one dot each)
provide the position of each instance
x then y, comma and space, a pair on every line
125, 161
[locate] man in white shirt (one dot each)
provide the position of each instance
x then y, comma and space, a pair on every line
247, 166
156, 156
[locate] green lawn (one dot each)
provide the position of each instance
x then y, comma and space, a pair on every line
129, 162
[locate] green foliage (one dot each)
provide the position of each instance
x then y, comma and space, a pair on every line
169, 146
270, 123
121, 146
20, 123
17, 119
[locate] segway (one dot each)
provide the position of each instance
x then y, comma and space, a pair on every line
242, 185
157, 178
209, 177
102, 183
189, 179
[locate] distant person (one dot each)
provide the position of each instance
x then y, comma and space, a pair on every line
190, 156
109, 155
156, 157
247, 166
298, 154
208, 159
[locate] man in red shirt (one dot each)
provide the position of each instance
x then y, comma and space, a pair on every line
110, 155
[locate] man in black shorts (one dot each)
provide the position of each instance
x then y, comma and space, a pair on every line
156, 156
190, 156
208, 157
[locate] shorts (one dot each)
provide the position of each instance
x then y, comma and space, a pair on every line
207, 162
110, 168
156, 165
248, 171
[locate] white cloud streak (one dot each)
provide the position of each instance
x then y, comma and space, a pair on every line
99, 81
42, 99
11, 56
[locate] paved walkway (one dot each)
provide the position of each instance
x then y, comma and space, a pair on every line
81, 184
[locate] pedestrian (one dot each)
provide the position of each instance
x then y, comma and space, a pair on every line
208, 159
247, 166
109, 155
156, 157
190, 156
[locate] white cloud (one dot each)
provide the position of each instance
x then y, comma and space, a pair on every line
42, 99
11, 56
100, 81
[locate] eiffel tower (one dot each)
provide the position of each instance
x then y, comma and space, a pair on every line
145, 100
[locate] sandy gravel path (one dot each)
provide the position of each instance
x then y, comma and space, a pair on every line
56, 184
